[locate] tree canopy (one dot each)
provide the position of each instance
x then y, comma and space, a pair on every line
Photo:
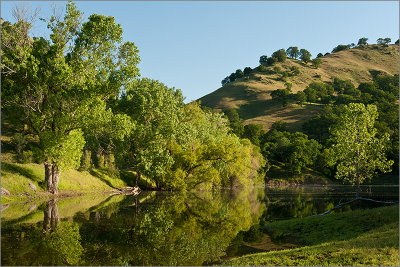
358, 150
56, 83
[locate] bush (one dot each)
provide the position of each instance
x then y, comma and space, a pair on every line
340, 47
262, 68
27, 157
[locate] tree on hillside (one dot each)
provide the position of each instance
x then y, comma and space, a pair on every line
316, 62
397, 42
280, 55
253, 132
54, 85
293, 52
247, 71
340, 47
234, 121
358, 150
305, 55
300, 97
225, 81
362, 41
281, 95
320, 55
384, 41
263, 60
239, 73
271, 61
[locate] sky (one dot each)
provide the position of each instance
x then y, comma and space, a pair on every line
194, 45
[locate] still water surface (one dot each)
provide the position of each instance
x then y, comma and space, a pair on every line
163, 228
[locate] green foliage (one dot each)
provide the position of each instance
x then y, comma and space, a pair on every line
280, 126
280, 55
305, 55
294, 149
340, 47
156, 111
316, 62
19, 140
57, 82
357, 148
235, 122
263, 60
295, 70
383, 41
253, 132
271, 61
300, 97
281, 95
362, 41
27, 157
293, 52
319, 92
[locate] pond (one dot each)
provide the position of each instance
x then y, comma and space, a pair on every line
163, 228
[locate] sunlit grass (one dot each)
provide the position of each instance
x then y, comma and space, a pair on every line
361, 237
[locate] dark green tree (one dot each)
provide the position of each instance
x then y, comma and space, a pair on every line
316, 62
362, 41
281, 95
263, 60
253, 132
280, 55
305, 55
293, 52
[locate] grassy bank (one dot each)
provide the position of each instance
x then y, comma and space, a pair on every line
16, 177
363, 237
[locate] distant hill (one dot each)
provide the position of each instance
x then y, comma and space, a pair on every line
251, 96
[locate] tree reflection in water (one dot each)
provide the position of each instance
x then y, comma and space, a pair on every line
158, 228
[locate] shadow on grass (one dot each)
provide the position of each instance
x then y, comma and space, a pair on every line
14, 168
100, 174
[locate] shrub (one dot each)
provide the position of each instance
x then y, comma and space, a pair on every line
27, 157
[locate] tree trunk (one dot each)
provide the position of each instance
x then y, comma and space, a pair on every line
358, 187
51, 216
137, 178
48, 176
56, 178
51, 177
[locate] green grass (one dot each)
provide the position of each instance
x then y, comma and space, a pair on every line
379, 247
15, 178
362, 237
279, 174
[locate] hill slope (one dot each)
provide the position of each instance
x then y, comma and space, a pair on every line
251, 96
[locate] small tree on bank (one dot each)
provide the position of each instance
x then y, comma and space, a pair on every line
357, 149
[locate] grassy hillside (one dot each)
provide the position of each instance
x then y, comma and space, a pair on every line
251, 96
344, 239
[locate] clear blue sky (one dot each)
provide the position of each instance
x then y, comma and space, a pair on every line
194, 45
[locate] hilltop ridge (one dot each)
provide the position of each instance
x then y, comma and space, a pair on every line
251, 95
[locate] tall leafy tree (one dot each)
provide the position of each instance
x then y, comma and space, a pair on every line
293, 52
263, 60
157, 112
280, 55
52, 85
362, 41
358, 150
305, 55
